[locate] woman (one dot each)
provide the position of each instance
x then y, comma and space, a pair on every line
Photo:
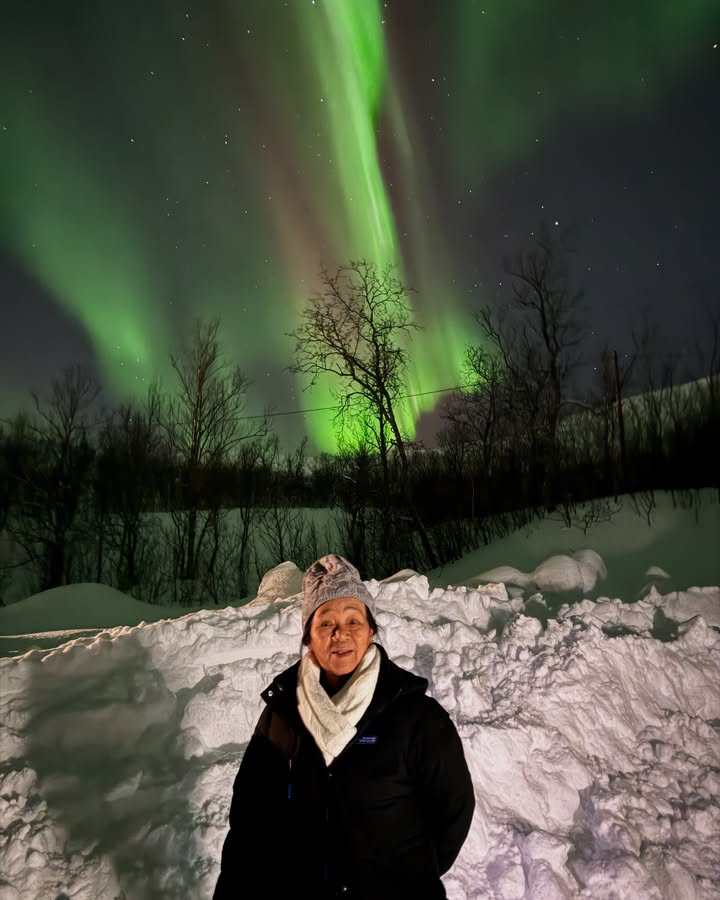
354, 783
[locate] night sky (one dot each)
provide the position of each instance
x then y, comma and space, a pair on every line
163, 160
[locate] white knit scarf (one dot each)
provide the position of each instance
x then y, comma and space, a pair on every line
332, 720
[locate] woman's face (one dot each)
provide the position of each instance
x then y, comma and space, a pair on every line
339, 636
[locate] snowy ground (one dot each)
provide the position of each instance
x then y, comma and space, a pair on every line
591, 725
593, 745
680, 544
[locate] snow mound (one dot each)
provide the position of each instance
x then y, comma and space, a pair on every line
592, 567
503, 575
567, 573
279, 583
595, 758
78, 607
402, 575
557, 574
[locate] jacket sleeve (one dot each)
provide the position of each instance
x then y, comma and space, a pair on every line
439, 769
251, 810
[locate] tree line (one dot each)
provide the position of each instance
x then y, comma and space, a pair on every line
183, 498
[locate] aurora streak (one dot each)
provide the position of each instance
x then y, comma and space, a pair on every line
209, 162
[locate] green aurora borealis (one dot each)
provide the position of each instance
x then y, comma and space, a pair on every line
163, 161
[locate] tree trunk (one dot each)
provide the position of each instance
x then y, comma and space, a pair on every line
386, 484
621, 420
190, 554
100, 551
405, 468
56, 564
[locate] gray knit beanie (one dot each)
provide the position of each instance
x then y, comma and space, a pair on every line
329, 578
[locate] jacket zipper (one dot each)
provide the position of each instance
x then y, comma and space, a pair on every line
291, 758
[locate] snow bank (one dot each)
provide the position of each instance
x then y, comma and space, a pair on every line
595, 758
78, 607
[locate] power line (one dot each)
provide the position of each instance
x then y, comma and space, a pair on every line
459, 387
302, 412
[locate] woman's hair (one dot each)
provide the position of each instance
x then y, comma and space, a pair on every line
370, 618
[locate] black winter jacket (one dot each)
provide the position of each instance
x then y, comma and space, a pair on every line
385, 820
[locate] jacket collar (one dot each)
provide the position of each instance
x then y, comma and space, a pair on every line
395, 681
280, 693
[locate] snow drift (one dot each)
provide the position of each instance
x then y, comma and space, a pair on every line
593, 745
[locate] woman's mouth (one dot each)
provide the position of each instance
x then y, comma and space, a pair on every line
342, 653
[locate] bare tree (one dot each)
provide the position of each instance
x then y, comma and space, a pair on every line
16, 449
708, 354
357, 329
252, 465
6, 472
204, 423
604, 431
536, 338
55, 475
477, 420
131, 452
